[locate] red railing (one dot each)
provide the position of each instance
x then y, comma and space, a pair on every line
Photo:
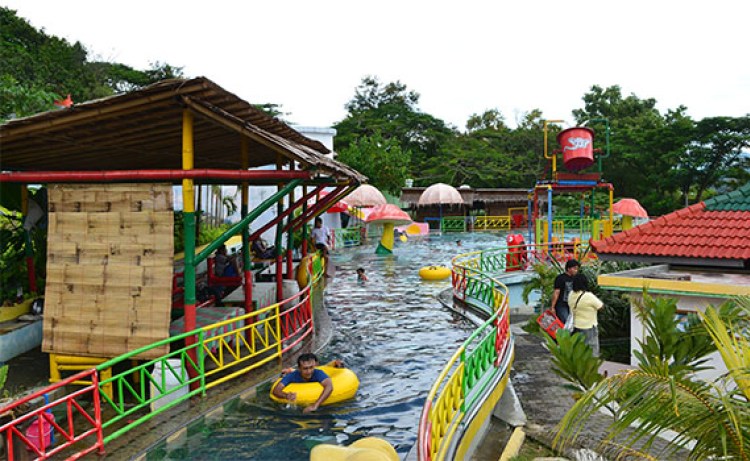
296, 320
13, 433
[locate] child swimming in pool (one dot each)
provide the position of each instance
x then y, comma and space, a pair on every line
361, 276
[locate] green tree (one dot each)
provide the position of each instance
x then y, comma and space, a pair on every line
645, 145
490, 154
274, 110
391, 110
710, 418
491, 119
716, 153
37, 68
17, 100
380, 159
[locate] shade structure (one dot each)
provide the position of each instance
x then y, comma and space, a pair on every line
390, 216
365, 196
440, 194
629, 207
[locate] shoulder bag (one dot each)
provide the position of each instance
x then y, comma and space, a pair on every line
570, 323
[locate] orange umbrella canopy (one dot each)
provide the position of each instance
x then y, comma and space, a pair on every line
629, 207
365, 196
388, 213
440, 194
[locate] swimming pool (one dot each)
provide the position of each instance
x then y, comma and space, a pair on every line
390, 330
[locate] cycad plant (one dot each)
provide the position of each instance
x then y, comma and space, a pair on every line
709, 419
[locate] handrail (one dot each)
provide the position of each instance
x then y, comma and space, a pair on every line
291, 320
347, 236
66, 429
478, 361
488, 352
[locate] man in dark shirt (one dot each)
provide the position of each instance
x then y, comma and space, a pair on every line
563, 288
306, 372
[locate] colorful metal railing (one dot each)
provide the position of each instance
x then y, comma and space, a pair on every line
264, 335
347, 237
463, 382
77, 411
502, 223
453, 224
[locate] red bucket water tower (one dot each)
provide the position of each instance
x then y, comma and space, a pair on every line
577, 146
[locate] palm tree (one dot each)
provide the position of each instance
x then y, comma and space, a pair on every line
216, 192
230, 202
711, 419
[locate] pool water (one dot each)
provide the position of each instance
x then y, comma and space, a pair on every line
390, 330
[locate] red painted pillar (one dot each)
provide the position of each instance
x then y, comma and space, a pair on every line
279, 278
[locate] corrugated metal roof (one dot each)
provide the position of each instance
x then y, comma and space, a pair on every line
143, 130
698, 232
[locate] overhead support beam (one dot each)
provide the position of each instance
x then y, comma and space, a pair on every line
261, 176
320, 206
285, 213
245, 221
229, 121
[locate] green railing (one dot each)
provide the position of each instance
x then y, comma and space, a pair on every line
253, 340
479, 363
346, 237
453, 224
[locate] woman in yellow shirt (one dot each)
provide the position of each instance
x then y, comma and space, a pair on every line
584, 305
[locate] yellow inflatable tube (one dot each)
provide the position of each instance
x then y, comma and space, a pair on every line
345, 385
366, 449
434, 272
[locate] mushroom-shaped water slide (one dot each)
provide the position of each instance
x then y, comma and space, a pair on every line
389, 216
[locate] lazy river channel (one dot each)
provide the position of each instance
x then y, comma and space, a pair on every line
391, 330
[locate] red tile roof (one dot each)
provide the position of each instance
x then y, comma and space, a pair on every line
717, 229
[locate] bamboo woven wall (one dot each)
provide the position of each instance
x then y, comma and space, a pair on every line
110, 254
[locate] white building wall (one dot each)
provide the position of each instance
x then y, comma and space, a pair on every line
684, 304
323, 134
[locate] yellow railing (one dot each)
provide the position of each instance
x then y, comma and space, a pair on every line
484, 356
447, 411
492, 223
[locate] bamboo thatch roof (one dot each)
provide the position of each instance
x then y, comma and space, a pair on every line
143, 130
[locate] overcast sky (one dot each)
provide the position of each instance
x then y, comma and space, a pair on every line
462, 57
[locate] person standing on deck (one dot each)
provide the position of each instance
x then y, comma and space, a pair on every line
563, 287
322, 238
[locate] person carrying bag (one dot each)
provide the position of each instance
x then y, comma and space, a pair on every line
584, 312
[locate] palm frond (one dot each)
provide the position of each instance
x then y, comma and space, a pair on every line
654, 403
733, 347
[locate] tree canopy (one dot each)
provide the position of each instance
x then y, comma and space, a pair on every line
664, 160
38, 68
